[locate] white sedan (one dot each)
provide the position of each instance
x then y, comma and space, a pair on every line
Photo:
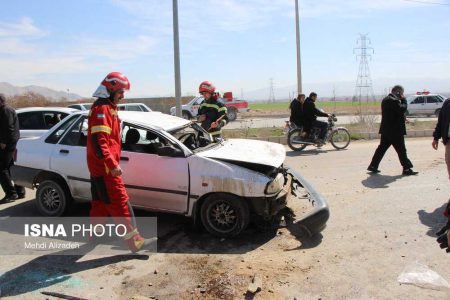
172, 165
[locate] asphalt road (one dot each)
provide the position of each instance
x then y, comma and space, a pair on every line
379, 225
280, 122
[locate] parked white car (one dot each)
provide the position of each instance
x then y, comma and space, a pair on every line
35, 121
172, 165
424, 103
81, 106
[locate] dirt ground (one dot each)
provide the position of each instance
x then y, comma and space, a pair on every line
379, 224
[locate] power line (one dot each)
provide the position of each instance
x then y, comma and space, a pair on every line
426, 2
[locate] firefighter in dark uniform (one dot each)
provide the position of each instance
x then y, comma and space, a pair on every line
212, 113
109, 196
393, 131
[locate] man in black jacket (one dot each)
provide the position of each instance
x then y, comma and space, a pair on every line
393, 131
442, 130
9, 135
310, 114
296, 108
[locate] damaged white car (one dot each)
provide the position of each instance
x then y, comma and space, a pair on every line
172, 165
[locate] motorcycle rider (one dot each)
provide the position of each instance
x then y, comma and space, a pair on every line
212, 113
109, 196
296, 107
310, 114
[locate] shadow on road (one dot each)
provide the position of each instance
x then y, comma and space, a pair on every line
176, 233
48, 270
306, 152
377, 181
434, 220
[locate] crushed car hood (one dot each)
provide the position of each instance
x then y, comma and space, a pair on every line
250, 151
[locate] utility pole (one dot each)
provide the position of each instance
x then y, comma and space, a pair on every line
363, 87
299, 64
271, 92
176, 58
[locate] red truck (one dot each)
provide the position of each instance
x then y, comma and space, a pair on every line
190, 110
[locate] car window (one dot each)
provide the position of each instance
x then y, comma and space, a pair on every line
193, 137
52, 118
31, 120
418, 100
77, 134
136, 139
59, 132
144, 107
133, 108
432, 99
87, 106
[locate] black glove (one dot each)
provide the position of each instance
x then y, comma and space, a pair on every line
443, 241
443, 229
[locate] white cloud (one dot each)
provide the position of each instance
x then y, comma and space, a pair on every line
24, 28
15, 46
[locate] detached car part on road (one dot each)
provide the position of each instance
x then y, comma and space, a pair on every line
172, 165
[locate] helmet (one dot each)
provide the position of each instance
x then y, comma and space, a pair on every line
116, 81
206, 86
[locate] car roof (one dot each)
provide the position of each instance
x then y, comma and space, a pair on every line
128, 103
86, 103
152, 118
66, 110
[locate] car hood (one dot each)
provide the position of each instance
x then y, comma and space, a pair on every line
248, 151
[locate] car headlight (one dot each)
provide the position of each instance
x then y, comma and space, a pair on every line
275, 185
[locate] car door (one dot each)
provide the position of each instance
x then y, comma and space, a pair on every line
69, 158
433, 104
31, 124
152, 181
417, 106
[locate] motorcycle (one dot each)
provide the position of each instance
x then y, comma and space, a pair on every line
339, 137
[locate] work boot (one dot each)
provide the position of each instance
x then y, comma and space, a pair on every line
136, 242
373, 169
409, 172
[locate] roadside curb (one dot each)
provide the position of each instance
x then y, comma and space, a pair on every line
361, 135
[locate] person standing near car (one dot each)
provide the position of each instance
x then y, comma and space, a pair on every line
393, 131
442, 131
310, 114
9, 136
109, 196
212, 113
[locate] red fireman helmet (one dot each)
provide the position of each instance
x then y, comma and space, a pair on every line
206, 86
116, 81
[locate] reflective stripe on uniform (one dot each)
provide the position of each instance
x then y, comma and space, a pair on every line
211, 105
101, 128
130, 234
215, 132
223, 109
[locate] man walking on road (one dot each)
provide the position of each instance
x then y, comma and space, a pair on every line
9, 135
393, 131
109, 196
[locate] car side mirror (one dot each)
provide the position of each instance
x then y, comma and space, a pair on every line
170, 151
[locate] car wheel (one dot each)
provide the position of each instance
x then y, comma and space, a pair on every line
52, 199
224, 215
186, 115
437, 112
232, 114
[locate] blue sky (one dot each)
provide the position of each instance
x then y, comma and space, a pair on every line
237, 44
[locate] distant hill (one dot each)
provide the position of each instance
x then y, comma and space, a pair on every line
52, 95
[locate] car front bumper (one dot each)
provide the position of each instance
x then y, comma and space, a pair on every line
302, 205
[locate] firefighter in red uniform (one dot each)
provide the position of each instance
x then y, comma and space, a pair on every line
212, 113
109, 196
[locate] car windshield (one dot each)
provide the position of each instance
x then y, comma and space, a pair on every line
194, 137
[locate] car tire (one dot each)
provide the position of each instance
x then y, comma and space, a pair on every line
186, 115
437, 112
224, 215
232, 114
52, 198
